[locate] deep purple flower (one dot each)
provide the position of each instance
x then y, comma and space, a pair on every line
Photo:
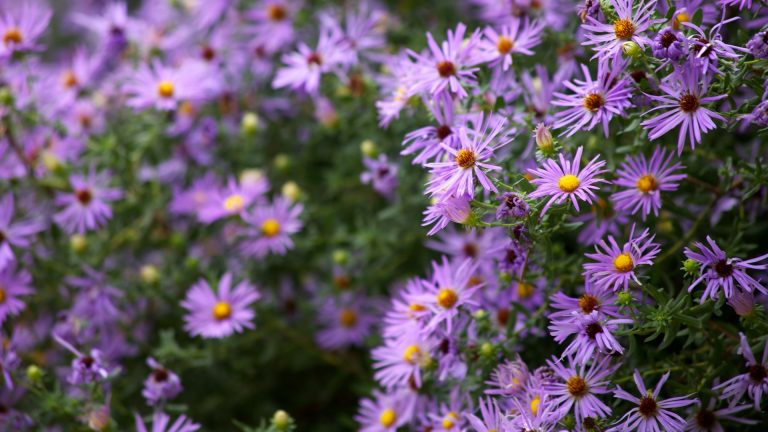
381, 175
593, 102
669, 44
708, 419
447, 68
754, 382
21, 26
578, 387
718, 271
615, 266
344, 321
17, 233
161, 385
13, 285
593, 336
456, 176
630, 24
87, 207
645, 181
683, 102
758, 45
161, 422
710, 48
565, 181
517, 37
651, 414
511, 205
270, 228
218, 314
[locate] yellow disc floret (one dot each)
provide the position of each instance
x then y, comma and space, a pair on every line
568, 183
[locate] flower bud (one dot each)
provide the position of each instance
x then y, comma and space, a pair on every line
631, 49
624, 298
250, 123
6, 96
368, 148
543, 138
282, 162
291, 191
690, 266
251, 176
480, 314
98, 418
281, 420
34, 373
340, 256
78, 243
743, 303
486, 349
149, 274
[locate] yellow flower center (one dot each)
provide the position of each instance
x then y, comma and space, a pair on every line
234, 203
465, 158
647, 183
535, 404
623, 28
412, 354
347, 318
276, 12
69, 79
505, 44
623, 263
447, 298
568, 183
13, 35
165, 89
450, 420
388, 417
222, 310
577, 387
524, 290
593, 101
680, 19
270, 227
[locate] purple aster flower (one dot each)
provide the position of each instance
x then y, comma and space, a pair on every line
645, 181
161, 422
9, 362
743, 303
165, 88
710, 48
86, 368
273, 23
593, 102
13, 286
450, 416
491, 418
399, 361
593, 300
447, 209
381, 174
456, 176
270, 228
651, 414
615, 266
758, 116
754, 382
578, 387
161, 385
517, 37
450, 287
218, 314
538, 92
447, 68
719, 271
386, 412
344, 321
669, 44
683, 104
708, 419
87, 207
304, 69
21, 26
427, 140
593, 334
233, 199
566, 181
16, 234
509, 378
406, 312
511, 205
758, 45
630, 24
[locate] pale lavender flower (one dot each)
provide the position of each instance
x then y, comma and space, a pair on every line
593, 300
13, 285
594, 102
450, 287
21, 26
651, 414
161, 422
233, 199
709, 48
398, 363
615, 266
447, 209
491, 419
565, 181
386, 412
86, 208
220, 313
603, 219
17, 234
743, 303
718, 271
754, 382
161, 385
593, 336
509, 378
683, 101
517, 37
86, 368
578, 388
344, 321
272, 26
646, 180
165, 88
270, 227
758, 45
708, 419
630, 25
381, 175
427, 141
447, 68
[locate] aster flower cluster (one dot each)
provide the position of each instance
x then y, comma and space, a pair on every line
472, 215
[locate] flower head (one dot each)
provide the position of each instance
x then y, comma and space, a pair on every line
615, 266
753, 382
651, 413
270, 228
578, 388
645, 180
20, 28
161, 422
220, 313
161, 385
13, 286
630, 24
517, 37
87, 207
17, 234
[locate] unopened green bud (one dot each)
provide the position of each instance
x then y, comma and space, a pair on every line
291, 191
486, 349
368, 148
149, 274
34, 373
281, 420
480, 314
625, 298
250, 123
690, 266
340, 256
6, 96
78, 243
544, 139
631, 49
282, 162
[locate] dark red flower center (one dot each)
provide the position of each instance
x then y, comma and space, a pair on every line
314, 58
648, 406
84, 196
276, 12
470, 250
593, 101
502, 316
637, 75
688, 103
723, 269
706, 419
87, 361
588, 303
593, 329
667, 39
443, 132
757, 373
207, 52
589, 423
160, 375
446, 68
